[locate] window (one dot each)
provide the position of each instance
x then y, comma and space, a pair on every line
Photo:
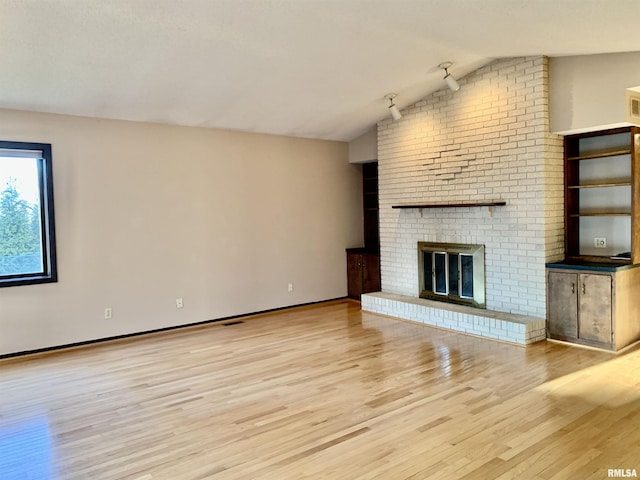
27, 235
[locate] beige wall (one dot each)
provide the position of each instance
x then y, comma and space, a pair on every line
364, 148
587, 92
147, 213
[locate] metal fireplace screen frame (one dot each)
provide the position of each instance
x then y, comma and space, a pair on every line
452, 272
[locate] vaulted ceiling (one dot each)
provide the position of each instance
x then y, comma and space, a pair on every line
308, 68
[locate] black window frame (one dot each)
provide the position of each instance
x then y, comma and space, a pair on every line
47, 218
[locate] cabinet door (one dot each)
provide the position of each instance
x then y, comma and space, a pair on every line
562, 298
594, 314
370, 273
354, 275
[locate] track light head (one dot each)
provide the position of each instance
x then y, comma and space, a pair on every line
451, 82
393, 109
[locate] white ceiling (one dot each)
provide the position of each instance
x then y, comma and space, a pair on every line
307, 68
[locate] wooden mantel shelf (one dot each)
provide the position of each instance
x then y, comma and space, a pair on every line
497, 203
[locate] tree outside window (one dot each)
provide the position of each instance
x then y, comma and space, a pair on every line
27, 240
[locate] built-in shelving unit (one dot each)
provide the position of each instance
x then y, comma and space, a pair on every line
600, 181
591, 295
370, 206
363, 264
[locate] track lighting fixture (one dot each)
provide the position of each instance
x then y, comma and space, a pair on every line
393, 109
451, 82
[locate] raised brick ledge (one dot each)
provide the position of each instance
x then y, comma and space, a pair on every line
506, 327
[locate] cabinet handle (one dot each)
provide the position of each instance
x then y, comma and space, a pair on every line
573, 288
583, 289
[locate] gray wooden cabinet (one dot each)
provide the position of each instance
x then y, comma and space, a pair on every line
595, 295
594, 307
562, 306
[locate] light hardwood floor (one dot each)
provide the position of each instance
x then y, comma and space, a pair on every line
322, 392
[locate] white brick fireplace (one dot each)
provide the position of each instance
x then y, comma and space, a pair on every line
488, 141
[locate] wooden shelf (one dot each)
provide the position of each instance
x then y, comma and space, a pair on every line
602, 185
593, 156
498, 203
601, 214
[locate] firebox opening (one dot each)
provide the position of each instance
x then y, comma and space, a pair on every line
452, 272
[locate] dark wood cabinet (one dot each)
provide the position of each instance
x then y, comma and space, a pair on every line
363, 272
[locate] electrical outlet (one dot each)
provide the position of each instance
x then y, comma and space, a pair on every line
179, 303
600, 242
108, 313
290, 287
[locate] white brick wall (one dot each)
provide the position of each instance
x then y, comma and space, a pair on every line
488, 141
506, 327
